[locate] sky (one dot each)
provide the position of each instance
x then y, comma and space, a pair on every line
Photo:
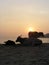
16, 16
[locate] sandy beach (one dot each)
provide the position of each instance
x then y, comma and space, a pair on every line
24, 55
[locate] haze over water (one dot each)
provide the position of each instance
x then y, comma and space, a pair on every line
17, 16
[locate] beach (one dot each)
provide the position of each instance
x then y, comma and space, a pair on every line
24, 55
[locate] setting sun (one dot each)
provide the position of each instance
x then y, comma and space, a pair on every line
30, 29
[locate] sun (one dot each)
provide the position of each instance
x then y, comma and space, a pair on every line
30, 29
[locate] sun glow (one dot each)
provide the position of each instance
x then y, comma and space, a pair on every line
30, 29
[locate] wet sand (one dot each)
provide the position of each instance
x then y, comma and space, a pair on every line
24, 55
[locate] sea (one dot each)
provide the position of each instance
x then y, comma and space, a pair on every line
44, 40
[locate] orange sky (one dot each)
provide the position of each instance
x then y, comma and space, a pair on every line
16, 16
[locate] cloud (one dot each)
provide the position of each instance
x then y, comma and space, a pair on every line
44, 12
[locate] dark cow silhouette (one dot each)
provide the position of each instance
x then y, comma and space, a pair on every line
41, 34
35, 34
21, 40
9, 42
29, 41
36, 42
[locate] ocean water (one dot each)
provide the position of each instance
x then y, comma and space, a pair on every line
2, 40
44, 40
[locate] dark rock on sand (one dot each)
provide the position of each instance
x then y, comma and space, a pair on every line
9, 42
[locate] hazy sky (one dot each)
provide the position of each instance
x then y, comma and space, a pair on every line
16, 16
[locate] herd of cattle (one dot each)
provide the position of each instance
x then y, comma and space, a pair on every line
31, 40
